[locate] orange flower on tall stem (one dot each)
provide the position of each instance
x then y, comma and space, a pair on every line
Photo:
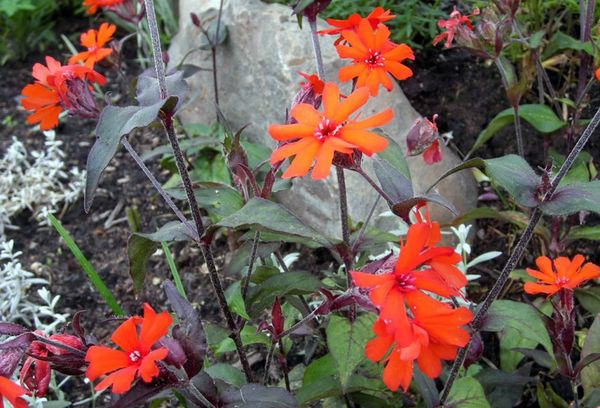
375, 17
421, 266
561, 273
13, 393
317, 136
93, 5
438, 333
137, 358
48, 96
374, 57
94, 41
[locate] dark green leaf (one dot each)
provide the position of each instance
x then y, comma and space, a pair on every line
515, 175
541, 117
584, 232
317, 370
547, 398
139, 250
573, 198
262, 295
114, 123
395, 184
228, 373
346, 342
234, 298
561, 41
523, 320
266, 216
467, 393
502, 389
590, 375
219, 200
171, 231
258, 396
535, 40
394, 156
589, 298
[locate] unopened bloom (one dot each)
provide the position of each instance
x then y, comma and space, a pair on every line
36, 372
94, 41
438, 333
421, 265
560, 273
374, 57
453, 25
311, 92
137, 358
317, 136
51, 93
93, 5
423, 137
13, 393
375, 17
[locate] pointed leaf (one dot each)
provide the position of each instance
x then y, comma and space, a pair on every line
574, 198
12, 351
235, 301
139, 250
346, 341
515, 175
590, 375
467, 393
257, 396
589, 298
261, 296
148, 94
266, 216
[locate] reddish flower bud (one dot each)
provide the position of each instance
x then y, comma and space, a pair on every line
195, 20
277, 317
79, 100
423, 137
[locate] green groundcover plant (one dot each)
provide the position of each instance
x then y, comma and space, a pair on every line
385, 328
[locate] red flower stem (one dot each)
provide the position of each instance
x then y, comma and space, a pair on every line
284, 367
316, 47
66, 347
159, 188
253, 253
520, 248
167, 121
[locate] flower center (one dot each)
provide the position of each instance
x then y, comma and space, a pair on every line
561, 281
327, 129
134, 356
406, 282
374, 60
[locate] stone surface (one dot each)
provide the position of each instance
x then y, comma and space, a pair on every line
258, 78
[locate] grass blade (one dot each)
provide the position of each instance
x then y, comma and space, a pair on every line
87, 267
173, 268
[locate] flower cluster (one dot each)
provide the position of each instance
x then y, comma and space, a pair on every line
413, 326
454, 26
60, 87
320, 138
560, 274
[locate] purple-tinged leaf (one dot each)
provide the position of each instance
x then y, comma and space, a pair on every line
148, 94
258, 396
475, 350
114, 123
141, 246
515, 175
12, 351
573, 198
141, 392
189, 332
395, 184
585, 361
176, 356
76, 325
11, 329
541, 357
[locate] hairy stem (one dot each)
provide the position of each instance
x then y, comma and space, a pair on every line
516, 255
268, 364
159, 188
167, 121
316, 47
284, 366
253, 253
518, 131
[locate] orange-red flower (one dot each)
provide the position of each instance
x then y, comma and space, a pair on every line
92, 5
47, 97
561, 273
438, 333
375, 17
452, 25
136, 357
313, 82
94, 41
317, 136
420, 266
13, 393
374, 57
597, 74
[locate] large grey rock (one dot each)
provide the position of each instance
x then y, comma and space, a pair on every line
257, 79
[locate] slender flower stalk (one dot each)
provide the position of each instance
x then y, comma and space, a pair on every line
519, 250
167, 121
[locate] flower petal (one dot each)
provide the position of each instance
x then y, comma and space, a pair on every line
289, 132
104, 360
349, 105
